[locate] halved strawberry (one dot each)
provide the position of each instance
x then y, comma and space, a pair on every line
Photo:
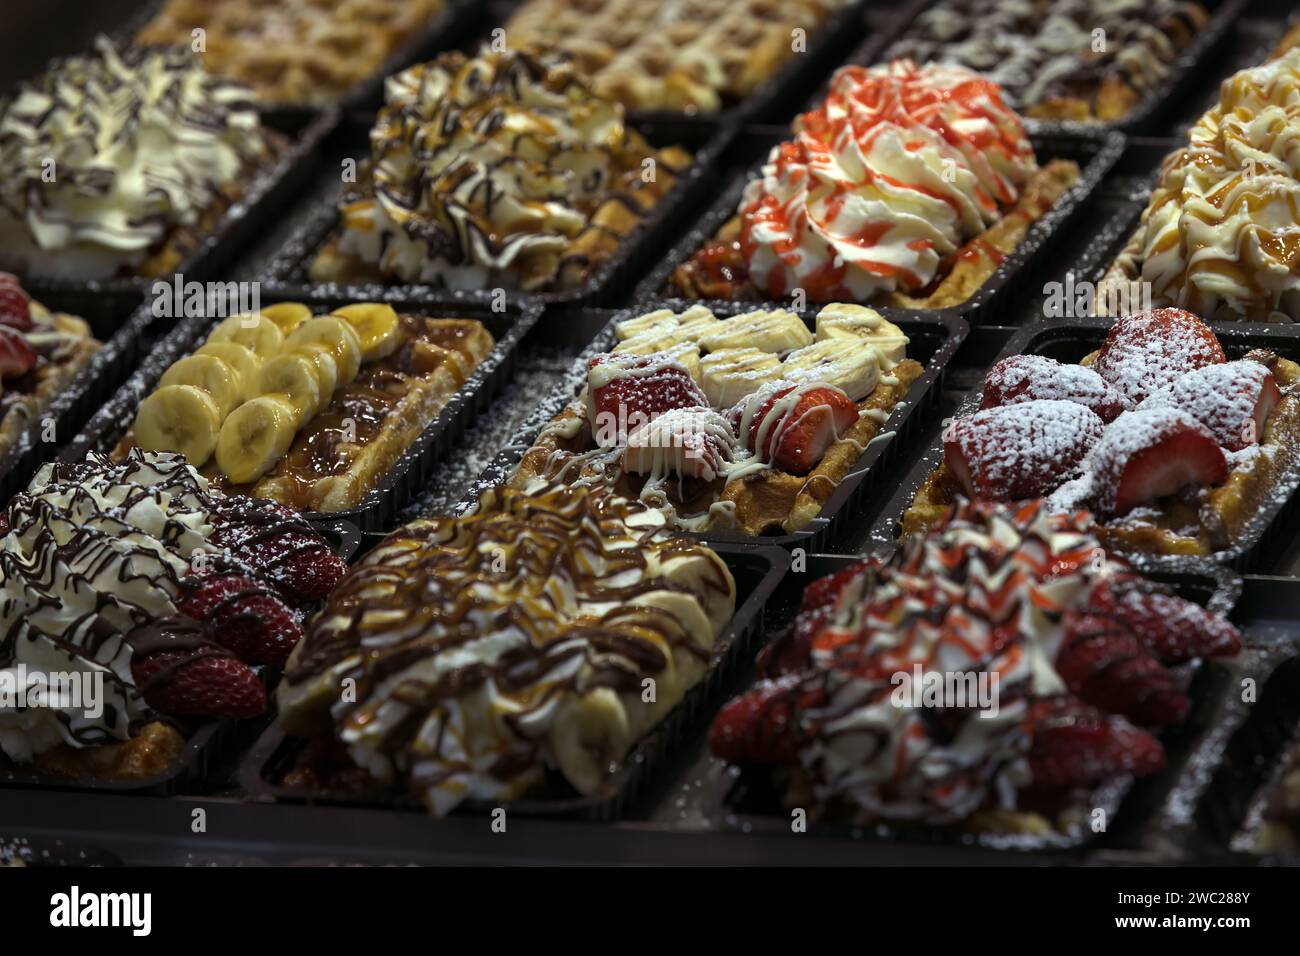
763, 725
15, 304
17, 357
625, 392
245, 617
792, 426
1023, 378
1232, 400
1145, 353
1076, 746
1172, 628
1104, 664
1019, 451
690, 442
1149, 453
185, 683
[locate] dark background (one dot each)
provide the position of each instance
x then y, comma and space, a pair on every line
32, 31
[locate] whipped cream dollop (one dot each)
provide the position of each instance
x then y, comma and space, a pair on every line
1221, 233
895, 171
485, 168
93, 549
107, 153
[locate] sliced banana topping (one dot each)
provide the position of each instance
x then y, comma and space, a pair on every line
255, 437
241, 358
376, 325
326, 368
255, 332
854, 370
211, 374
287, 315
292, 376
660, 320
179, 418
775, 331
841, 320
729, 375
335, 334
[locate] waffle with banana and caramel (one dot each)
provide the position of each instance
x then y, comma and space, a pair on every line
1081, 60
701, 56
987, 677
748, 422
908, 187
540, 633
1172, 446
41, 352
497, 170
133, 597
310, 411
293, 51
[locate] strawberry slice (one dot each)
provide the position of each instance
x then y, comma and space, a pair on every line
184, 683
826, 590
1076, 746
690, 442
1104, 664
278, 545
1232, 400
1145, 353
1024, 378
17, 357
15, 304
792, 426
625, 392
763, 725
245, 617
1019, 451
1149, 453
1172, 628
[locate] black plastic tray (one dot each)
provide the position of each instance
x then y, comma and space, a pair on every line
934, 341
756, 806
1152, 112
1018, 274
1069, 340
378, 508
267, 193
611, 280
758, 571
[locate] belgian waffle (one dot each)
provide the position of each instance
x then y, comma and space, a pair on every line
711, 426
1081, 60
1199, 520
293, 51
269, 421
489, 648
687, 55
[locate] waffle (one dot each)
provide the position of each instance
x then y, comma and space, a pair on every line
1200, 523
875, 201
456, 197
1044, 53
686, 55
149, 753
64, 346
333, 455
1205, 243
750, 364
489, 648
293, 51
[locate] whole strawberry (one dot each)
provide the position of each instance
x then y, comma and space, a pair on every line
246, 618
186, 683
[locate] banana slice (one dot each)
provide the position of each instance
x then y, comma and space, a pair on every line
843, 320
376, 325
239, 357
852, 368
731, 374
292, 376
254, 332
255, 437
335, 334
287, 315
659, 320
179, 418
323, 364
209, 373
774, 331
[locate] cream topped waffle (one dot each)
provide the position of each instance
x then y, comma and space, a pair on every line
293, 51
1220, 235
138, 575
488, 649
1174, 447
147, 151
41, 352
502, 169
310, 411
1073, 651
907, 187
748, 422
696, 56
1083, 60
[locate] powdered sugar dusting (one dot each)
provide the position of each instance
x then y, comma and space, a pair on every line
1223, 398
1145, 353
1025, 378
1022, 450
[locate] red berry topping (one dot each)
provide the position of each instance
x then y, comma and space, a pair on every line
1019, 451
792, 427
184, 684
279, 546
1144, 353
626, 392
248, 619
1149, 453
826, 590
17, 357
15, 304
762, 726
1024, 378
1232, 400
1173, 629
1075, 746
1104, 664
